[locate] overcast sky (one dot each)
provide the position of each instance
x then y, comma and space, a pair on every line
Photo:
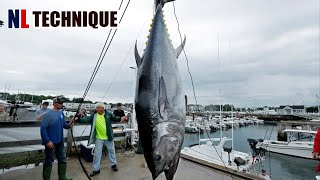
269, 50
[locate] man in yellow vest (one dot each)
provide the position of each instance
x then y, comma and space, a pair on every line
102, 134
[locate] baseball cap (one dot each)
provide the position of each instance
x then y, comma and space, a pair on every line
58, 100
45, 103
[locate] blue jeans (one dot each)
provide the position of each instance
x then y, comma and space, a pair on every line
58, 150
98, 153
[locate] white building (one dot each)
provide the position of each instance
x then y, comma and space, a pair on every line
292, 110
193, 107
84, 105
108, 106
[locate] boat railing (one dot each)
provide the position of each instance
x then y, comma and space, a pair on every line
25, 136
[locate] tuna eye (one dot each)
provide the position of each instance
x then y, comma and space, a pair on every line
157, 158
171, 149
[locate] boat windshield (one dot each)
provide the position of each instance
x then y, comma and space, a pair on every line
301, 136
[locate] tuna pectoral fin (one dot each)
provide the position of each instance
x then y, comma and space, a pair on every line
163, 99
172, 170
180, 48
137, 56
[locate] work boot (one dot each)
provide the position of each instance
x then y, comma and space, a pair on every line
114, 167
62, 170
46, 172
95, 173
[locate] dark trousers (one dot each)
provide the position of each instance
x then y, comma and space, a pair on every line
58, 150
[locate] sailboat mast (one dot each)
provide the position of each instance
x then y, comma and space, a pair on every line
231, 105
7, 94
32, 97
319, 92
232, 124
318, 107
17, 95
4, 92
220, 114
220, 89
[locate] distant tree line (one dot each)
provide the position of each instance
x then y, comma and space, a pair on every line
37, 99
312, 109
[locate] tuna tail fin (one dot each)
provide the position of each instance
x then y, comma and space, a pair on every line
180, 48
172, 170
162, 2
137, 56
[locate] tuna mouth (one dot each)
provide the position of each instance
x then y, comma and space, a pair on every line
159, 161
160, 167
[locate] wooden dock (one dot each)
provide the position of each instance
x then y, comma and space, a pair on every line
221, 169
130, 168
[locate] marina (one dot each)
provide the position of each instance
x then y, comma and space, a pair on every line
160, 90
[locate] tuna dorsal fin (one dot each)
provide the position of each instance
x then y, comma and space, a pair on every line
163, 99
180, 48
137, 56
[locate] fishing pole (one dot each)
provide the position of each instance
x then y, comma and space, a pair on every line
117, 74
123, 61
96, 69
99, 62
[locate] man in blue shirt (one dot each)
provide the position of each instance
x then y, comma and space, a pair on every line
52, 126
40, 112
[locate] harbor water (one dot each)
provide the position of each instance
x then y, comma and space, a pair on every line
280, 166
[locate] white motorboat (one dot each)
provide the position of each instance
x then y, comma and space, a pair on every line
256, 120
190, 129
33, 109
220, 155
299, 143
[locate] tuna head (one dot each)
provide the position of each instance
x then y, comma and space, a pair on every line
167, 151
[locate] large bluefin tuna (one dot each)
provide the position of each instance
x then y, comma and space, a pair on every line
159, 101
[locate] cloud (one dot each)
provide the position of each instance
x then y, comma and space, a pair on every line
13, 72
269, 51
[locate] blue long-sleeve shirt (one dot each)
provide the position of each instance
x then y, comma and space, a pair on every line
52, 125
